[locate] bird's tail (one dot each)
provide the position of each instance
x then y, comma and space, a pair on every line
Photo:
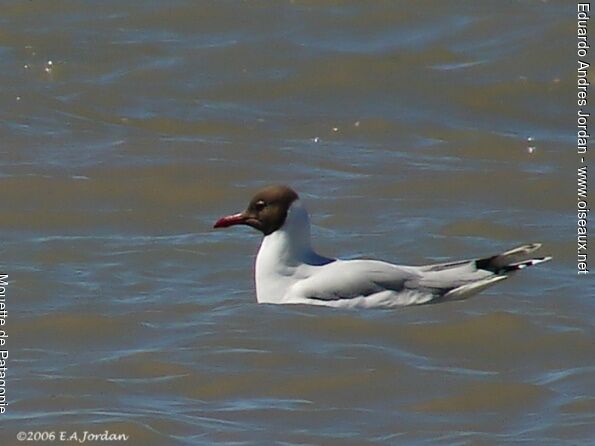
473, 276
469, 289
512, 260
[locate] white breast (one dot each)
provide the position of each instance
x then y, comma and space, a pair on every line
286, 257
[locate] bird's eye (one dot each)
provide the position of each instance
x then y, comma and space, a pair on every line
260, 205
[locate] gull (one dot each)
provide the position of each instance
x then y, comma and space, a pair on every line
289, 271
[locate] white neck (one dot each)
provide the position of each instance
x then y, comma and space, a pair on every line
282, 252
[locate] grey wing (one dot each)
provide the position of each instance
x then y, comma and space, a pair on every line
350, 279
365, 282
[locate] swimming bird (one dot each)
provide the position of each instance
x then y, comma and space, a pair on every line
289, 271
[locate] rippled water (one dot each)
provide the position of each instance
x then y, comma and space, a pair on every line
414, 131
